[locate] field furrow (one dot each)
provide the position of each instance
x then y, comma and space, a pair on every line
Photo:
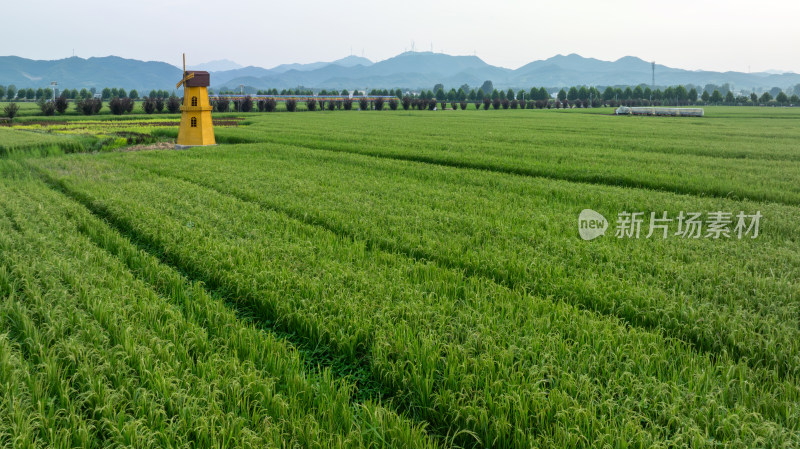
521, 233
463, 353
207, 389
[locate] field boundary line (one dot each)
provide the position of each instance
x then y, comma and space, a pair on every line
609, 181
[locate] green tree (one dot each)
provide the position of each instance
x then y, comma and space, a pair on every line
562, 95
765, 97
638, 92
716, 97
465, 87
84, 94
2, 92
473, 95
451, 95
11, 110
440, 95
705, 97
782, 98
121, 92
39, 93
572, 95
669, 95
495, 95
30, 94
438, 86
487, 87
627, 94
106, 93
133, 95
47, 94
692, 96
729, 98
681, 94
583, 93
609, 93
461, 95
544, 95
344, 93
754, 98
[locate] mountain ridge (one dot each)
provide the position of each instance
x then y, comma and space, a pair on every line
412, 70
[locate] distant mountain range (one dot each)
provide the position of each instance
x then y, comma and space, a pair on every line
349, 61
410, 70
216, 66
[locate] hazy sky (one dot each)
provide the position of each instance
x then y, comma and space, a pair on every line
698, 34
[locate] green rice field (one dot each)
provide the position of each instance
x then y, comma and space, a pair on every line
400, 279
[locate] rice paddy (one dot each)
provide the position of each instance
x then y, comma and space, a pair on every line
401, 279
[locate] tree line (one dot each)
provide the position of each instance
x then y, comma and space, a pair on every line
641, 95
12, 93
88, 102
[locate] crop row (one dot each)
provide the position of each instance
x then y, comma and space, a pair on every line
100, 344
14, 142
679, 157
735, 296
475, 359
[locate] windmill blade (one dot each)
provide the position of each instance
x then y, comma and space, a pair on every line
185, 78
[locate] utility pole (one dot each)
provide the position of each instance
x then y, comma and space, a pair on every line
54, 84
653, 65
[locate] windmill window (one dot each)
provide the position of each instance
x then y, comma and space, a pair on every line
194, 101
194, 122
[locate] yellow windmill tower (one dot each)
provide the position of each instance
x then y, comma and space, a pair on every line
196, 126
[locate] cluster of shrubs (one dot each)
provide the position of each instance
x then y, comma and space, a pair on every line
47, 107
406, 102
153, 104
119, 106
268, 105
89, 106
